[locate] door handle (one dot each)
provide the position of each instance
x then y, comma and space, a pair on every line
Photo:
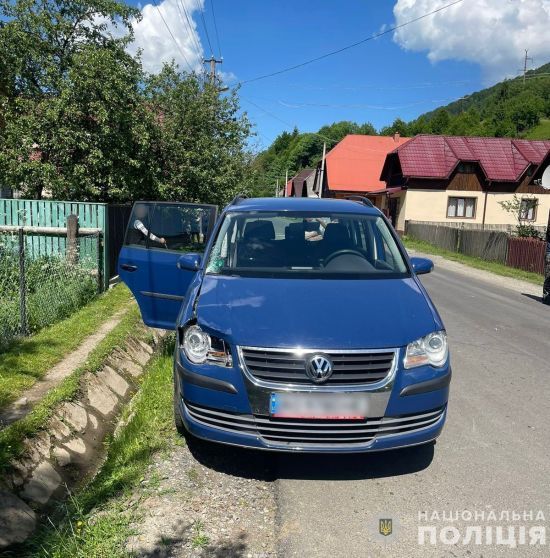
128, 267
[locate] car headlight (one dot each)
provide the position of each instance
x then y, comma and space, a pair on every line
431, 349
199, 347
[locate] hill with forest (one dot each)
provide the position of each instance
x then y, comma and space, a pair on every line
511, 108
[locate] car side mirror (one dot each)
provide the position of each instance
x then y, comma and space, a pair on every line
422, 265
190, 262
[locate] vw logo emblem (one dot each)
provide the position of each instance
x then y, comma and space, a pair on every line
318, 368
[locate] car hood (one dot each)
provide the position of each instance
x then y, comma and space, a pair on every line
318, 313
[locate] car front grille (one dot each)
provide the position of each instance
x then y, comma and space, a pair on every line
313, 432
287, 366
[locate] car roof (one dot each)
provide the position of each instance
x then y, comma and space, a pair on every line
331, 205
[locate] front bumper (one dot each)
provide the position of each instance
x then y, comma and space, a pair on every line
261, 432
222, 405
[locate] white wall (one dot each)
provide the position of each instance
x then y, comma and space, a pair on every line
431, 205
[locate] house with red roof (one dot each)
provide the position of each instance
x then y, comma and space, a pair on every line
352, 167
452, 179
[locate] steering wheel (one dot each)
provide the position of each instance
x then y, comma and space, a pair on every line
343, 252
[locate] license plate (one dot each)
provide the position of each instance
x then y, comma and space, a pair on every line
334, 406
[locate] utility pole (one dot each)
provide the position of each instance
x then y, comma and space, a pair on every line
277, 189
526, 59
286, 183
322, 170
212, 61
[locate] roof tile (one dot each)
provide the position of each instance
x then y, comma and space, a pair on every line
501, 159
355, 163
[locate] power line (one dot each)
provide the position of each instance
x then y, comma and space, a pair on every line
353, 45
190, 27
216, 29
326, 138
367, 106
267, 112
171, 35
377, 87
201, 9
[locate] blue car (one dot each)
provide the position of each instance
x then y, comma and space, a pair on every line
301, 324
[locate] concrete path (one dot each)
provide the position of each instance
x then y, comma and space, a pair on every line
20, 408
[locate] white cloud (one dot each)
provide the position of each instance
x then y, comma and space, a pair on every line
155, 41
491, 33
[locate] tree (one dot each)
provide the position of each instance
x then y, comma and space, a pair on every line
524, 111
89, 141
440, 122
399, 126
201, 145
81, 120
39, 40
520, 209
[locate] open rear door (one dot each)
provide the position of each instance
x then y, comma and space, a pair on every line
158, 234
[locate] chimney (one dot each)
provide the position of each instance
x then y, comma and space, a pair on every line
396, 136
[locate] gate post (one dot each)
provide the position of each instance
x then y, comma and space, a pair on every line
72, 236
22, 285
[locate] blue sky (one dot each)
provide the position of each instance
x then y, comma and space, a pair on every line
426, 64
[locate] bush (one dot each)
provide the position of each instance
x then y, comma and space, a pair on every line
528, 231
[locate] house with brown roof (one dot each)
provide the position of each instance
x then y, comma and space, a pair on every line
451, 179
302, 185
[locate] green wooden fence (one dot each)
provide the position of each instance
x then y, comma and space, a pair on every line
51, 214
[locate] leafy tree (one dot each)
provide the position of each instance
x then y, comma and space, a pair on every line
440, 122
90, 140
519, 207
201, 144
399, 126
524, 111
81, 120
39, 40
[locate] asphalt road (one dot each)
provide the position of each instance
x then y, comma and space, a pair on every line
494, 453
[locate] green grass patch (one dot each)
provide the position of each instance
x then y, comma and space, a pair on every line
541, 131
79, 530
478, 263
12, 437
26, 360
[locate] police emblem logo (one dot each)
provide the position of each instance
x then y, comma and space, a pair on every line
385, 527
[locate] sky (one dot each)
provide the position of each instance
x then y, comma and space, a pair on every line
403, 73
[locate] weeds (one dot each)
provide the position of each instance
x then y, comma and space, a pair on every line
200, 539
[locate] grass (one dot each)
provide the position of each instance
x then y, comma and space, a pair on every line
12, 437
478, 263
97, 521
199, 540
26, 360
541, 131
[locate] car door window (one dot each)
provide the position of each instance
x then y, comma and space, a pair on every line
176, 227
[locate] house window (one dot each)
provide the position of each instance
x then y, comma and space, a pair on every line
461, 208
528, 209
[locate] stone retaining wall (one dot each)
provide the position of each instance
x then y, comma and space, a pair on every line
69, 447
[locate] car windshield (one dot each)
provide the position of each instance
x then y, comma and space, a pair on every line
297, 244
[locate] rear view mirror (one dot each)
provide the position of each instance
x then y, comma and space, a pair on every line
422, 265
190, 262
